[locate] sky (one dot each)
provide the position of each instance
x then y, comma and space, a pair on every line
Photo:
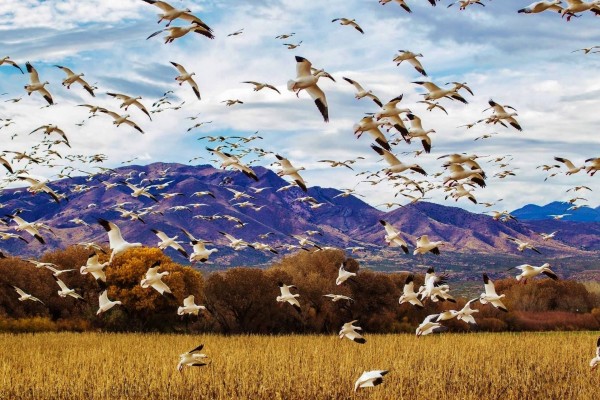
526, 61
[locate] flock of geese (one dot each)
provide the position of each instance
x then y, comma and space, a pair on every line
391, 126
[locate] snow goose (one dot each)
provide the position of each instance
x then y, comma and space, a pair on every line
50, 129
428, 326
25, 296
424, 246
137, 191
586, 50
94, 267
349, 330
575, 6
285, 36
529, 271
122, 119
37, 186
490, 295
130, 101
287, 296
170, 13
307, 81
594, 362
500, 114
465, 314
416, 130
192, 358
435, 288
189, 307
571, 168
435, 92
29, 227
351, 22
176, 32
366, 124
6, 165
36, 85
337, 297
522, 246
200, 252
431, 105
361, 92
343, 275
392, 236
259, 86
7, 236
594, 165
288, 169
540, 6
401, 3
166, 241
292, 46
395, 165
75, 78
153, 279
229, 160
104, 304
235, 243
411, 58
65, 291
459, 173
116, 242
370, 379
408, 293
466, 3
6, 60
55, 271
392, 113
185, 76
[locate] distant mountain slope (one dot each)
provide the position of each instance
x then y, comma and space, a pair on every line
535, 212
344, 221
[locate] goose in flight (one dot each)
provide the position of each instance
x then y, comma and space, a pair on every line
408, 293
6, 60
122, 119
392, 236
189, 307
6, 165
391, 112
424, 246
192, 358
37, 186
466, 3
343, 275
6, 236
571, 168
130, 101
116, 242
395, 165
548, 236
529, 271
361, 92
235, 243
94, 267
587, 50
432, 105
285, 36
594, 362
166, 241
184, 76
435, 287
170, 13
576, 6
307, 81
370, 379
139, 191
176, 32
465, 314
75, 78
411, 58
239, 195
153, 279
594, 165
401, 3
338, 297
416, 130
229, 160
65, 291
259, 86
429, 326
435, 92
522, 246
490, 295
351, 22
349, 330
288, 169
287, 296
25, 296
232, 102
36, 85
367, 124
501, 114
292, 46
28, 227
104, 304
200, 252
50, 129
540, 6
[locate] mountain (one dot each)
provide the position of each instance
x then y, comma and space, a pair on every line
474, 241
532, 212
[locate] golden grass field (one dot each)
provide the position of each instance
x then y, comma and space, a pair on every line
448, 366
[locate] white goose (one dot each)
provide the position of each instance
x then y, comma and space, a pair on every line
185, 76
571, 168
392, 236
307, 81
416, 130
361, 92
104, 304
401, 3
29, 227
337, 297
36, 85
25, 296
65, 291
594, 362
391, 113
235, 243
137, 191
529, 271
350, 22
37, 186
465, 314
575, 6
395, 165
229, 160
75, 78
343, 275
153, 279
166, 241
94, 267
411, 58
435, 92
176, 32
349, 330
116, 242
200, 252
367, 124
6, 60
428, 326
122, 119
594, 165
130, 101
490, 295
540, 6
501, 114
288, 169
287, 296
408, 293
370, 379
189, 307
259, 86
192, 358
170, 13
424, 246
522, 246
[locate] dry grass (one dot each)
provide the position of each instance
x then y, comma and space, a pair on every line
140, 366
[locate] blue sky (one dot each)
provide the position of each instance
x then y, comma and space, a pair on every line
516, 59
